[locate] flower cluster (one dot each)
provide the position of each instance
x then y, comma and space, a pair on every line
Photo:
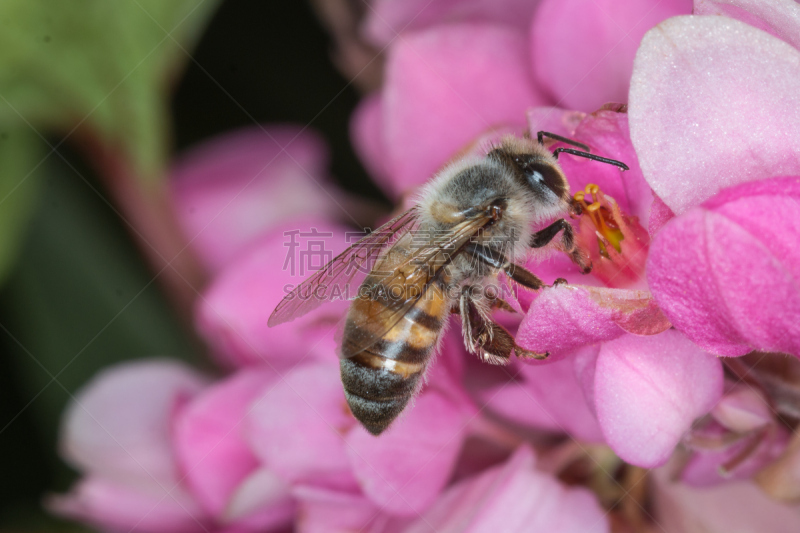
695, 256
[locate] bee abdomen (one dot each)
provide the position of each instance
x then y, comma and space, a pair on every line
380, 380
377, 390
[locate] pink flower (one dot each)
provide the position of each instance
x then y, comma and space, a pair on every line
304, 431
230, 190
740, 126
552, 396
613, 299
584, 50
436, 67
707, 259
431, 93
161, 452
601, 400
457, 69
513, 497
683, 252
386, 19
718, 121
719, 455
748, 229
117, 432
560, 320
219, 466
649, 390
330, 511
233, 311
679, 508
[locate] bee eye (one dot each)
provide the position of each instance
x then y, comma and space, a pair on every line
536, 176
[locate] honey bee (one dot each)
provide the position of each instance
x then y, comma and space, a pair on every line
473, 220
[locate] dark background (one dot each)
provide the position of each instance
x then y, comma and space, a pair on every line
81, 298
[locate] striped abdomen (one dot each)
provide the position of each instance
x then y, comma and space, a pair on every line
380, 379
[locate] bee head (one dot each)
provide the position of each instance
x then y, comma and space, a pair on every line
535, 168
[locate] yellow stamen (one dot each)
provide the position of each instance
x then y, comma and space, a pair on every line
594, 204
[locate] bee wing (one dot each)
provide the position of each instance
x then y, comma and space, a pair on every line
420, 269
344, 273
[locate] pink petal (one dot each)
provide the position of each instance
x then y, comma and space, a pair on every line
555, 120
232, 314
261, 503
386, 19
585, 364
446, 85
727, 507
606, 132
119, 425
726, 273
731, 113
229, 190
780, 18
648, 390
327, 511
743, 409
660, 214
208, 441
404, 470
117, 507
710, 467
584, 50
545, 396
567, 317
366, 135
511, 498
296, 428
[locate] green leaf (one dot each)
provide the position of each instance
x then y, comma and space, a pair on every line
20, 157
101, 65
79, 300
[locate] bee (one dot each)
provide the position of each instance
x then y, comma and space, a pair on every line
473, 220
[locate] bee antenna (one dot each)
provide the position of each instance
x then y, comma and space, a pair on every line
593, 157
540, 137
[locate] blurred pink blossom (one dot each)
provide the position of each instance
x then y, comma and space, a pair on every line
514, 497
583, 51
117, 433
216, 461
230, 190
243, 453
736, 506
386, 19
457, 69
334, 452
232, 314
719, 455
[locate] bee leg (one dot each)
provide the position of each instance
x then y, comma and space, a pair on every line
517, 273
483, 337
544, 237
499, 303
522, 353
523, 276
490, 341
